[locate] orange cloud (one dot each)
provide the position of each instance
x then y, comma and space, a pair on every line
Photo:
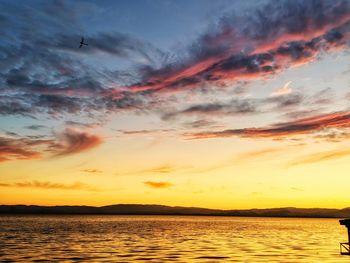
20, 148
158, 184
73, 141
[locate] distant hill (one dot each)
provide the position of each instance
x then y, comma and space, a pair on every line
135, 209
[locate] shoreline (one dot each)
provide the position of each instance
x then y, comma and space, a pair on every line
161, 210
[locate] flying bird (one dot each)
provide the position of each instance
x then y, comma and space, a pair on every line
82, 43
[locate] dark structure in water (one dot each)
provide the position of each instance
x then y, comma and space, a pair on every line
345, 246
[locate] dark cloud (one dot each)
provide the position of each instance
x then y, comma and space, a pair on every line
334, 135
202, 123
15, 106
146, 132
58, 104
12, 134
43, 71
124, 101
80, 124
234, 107
35, 127
337, 120
266, 40
286, 101
290, 103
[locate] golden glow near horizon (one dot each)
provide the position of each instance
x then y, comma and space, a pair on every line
247, 174
263, 122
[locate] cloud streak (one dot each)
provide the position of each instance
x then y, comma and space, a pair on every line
158, 185
49, 185
92, 171
321, 156
234, 107
146, 132
337, 120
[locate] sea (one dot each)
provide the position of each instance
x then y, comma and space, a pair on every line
119, 238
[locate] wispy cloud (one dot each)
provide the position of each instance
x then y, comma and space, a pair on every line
291, 104
81, 125
158, 184
50, 185
257, 154
321, 156
160, 169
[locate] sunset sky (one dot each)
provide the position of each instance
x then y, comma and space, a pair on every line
218, 104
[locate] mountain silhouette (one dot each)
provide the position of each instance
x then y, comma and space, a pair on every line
137, 209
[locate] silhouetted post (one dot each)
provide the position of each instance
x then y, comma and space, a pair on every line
345, 222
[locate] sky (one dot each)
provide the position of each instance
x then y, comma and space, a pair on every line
217, 104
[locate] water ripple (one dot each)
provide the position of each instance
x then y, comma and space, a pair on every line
169, 239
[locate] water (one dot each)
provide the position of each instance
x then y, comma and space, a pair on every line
169, 239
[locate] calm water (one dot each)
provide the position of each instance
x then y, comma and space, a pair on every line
169, 239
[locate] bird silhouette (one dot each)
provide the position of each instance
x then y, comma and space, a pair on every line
82, 43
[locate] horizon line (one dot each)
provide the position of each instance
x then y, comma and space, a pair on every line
174, 206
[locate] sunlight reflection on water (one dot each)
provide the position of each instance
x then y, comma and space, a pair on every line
169, 239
